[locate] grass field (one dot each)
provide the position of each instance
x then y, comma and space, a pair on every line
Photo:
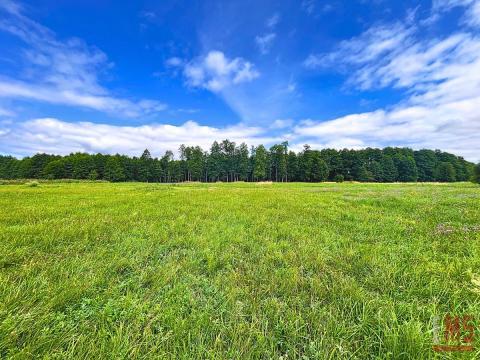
235, 271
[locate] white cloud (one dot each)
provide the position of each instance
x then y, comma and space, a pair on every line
174, 61
64, 96
5, 112
441, 77
445, 5
273, 20
472, 10
438, 70
148, 15
187, 111
216, 72
369, 46
473, 15
62, 72
291, 87
11, 6
281, 124
451, 127
60, 137
308, 6
265, 42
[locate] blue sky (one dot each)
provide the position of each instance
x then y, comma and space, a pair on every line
104, 76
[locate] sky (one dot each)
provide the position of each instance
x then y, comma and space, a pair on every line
122, 76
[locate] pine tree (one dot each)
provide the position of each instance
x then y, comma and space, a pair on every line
426, 161
214, 162
243, 161
93, 175
146, 156
319, 170
406, 167
389, 170
364, 175
113, 170
82, 164
260, 163
305, 164
292, 166
54, 170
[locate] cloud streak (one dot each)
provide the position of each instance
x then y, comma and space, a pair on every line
265, 42
472, 10
62, 72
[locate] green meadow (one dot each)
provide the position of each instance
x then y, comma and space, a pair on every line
236, 270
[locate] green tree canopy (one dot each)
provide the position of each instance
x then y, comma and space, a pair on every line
228, 161
445, 172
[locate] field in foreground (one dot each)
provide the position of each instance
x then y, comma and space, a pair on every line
98, 270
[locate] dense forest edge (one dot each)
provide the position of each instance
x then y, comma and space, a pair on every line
228, 162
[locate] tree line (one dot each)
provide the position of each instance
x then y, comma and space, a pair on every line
227, 161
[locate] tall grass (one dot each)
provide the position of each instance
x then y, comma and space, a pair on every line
235, 271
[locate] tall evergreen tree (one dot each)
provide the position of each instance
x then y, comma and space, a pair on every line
319, 170
113, 169
292, 166
228, 160
54, 170
243, 161
278, 160
406, 167
363, 174
260, 163
165, 162
82, 165
426, 161
195, 163
389, 170
305, 161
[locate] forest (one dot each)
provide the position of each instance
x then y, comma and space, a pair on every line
226, 161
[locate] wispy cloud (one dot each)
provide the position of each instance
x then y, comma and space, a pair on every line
273, 21
470, 18
281, 124
11, 6
370, 46
311, 7
473, 15
308, 6
265, 42
148, 15
174, 61
5, 112
62, 72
